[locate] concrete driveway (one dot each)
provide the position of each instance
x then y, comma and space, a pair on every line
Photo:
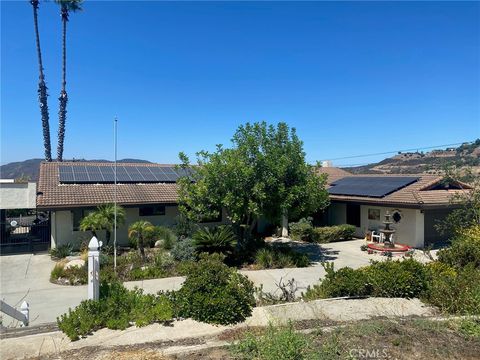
26, 277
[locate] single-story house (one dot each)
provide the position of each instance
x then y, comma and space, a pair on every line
69, 190
416, 204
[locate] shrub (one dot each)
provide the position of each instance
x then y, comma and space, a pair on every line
280, 256
327, 234
277, 343
343, 282
301, 230
74, 275
464, 250
116, 308
164, 234
219, 239
184, 250
454, 291
184, 227
214, 293
61, 251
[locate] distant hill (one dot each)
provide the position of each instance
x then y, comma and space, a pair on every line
29, 169
433, 162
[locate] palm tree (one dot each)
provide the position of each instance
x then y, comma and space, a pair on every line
92, 222
42, 87
103, 219
66, 6
140, 232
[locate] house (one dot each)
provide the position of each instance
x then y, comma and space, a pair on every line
69, 190
416, 203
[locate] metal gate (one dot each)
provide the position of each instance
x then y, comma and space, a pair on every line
24, 234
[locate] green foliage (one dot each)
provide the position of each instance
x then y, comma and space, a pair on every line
184, 227
219, 239
184, 250
277, 343
141, 233
276, 257
301, 230
454, 291
406, 279
103, 219
165, 235
214, 293
464, 250
75, 275
61, 251
263, 174
327, 234
116, 308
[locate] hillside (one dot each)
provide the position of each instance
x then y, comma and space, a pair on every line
30, 168
433, 162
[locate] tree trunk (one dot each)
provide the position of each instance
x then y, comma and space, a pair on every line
141, 248
42, 88
108, 235
63, 99
284, 224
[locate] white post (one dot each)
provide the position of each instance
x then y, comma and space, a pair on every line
284, 224
24, 309
93, 268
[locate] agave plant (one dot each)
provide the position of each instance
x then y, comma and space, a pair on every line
220, 239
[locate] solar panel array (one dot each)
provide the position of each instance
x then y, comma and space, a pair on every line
370, 186
75, 174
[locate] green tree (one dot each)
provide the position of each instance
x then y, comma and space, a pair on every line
66, 7
103, 219
140, 232
263, 174
42, 87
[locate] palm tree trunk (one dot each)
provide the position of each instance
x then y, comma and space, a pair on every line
107, 237
63, 99
42, 88
141, 248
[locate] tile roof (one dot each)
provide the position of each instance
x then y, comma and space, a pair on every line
53, 194
333, 173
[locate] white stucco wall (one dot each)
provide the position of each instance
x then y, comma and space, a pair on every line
62, 226
18, 195
409, 231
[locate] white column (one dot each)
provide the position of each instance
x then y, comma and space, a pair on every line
285, 224
93, 268
24, 309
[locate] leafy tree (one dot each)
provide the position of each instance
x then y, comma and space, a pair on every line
140, 232
42, 87
263, 174
66, 7
103, 219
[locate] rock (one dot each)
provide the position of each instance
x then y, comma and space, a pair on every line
158, 243
74, 263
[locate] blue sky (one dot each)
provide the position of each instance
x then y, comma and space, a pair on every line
352, 77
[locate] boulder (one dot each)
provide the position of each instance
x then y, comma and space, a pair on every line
158, 243
74, 263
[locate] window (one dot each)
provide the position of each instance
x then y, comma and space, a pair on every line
353, 214
373, 214
397, 216
152, 210
77, 216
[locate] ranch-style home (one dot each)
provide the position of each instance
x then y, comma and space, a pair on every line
416, 204
69, 190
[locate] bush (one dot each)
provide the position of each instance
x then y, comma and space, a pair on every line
404, 279
184, 227
61, 251
464, 250
277, 343
214, 293
327, 234
74, 275
219, 239
164, 234
184, 250
116, 308
275, 257
344, 282
454, 291
301, 230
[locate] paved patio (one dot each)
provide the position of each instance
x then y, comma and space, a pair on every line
26, 277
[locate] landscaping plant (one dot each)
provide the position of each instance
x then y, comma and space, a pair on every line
279, 256
219, 239
214, 293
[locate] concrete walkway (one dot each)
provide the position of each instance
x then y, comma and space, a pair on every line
26, 277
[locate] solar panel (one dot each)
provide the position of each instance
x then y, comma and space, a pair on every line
370, 186
79, 173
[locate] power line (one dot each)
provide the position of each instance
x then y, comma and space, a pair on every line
397, 151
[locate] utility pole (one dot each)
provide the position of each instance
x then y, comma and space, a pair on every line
115, 196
